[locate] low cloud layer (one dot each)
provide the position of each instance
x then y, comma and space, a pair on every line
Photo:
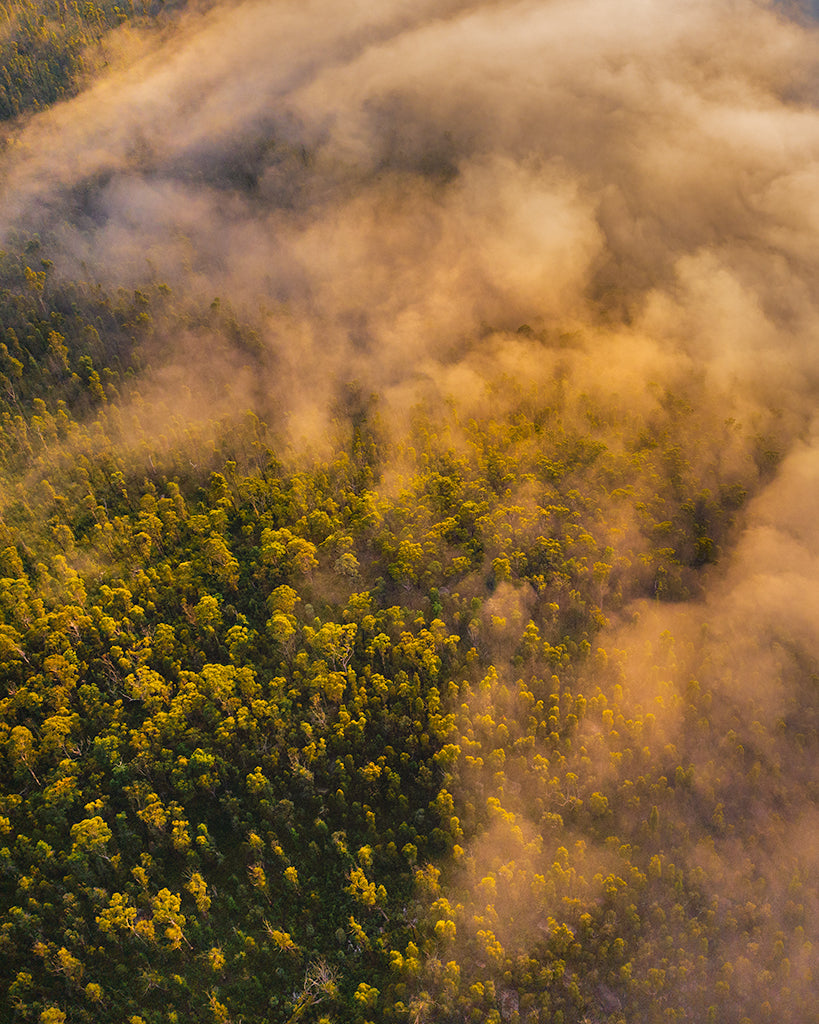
383, 187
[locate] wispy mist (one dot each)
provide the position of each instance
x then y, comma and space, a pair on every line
389, 185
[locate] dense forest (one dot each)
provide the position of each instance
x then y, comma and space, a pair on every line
465, 680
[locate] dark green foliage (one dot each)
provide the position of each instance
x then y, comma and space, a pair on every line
48, 48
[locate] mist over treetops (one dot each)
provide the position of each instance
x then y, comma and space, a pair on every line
408, 473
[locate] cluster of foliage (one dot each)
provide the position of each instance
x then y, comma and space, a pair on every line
339, 741
47, 49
